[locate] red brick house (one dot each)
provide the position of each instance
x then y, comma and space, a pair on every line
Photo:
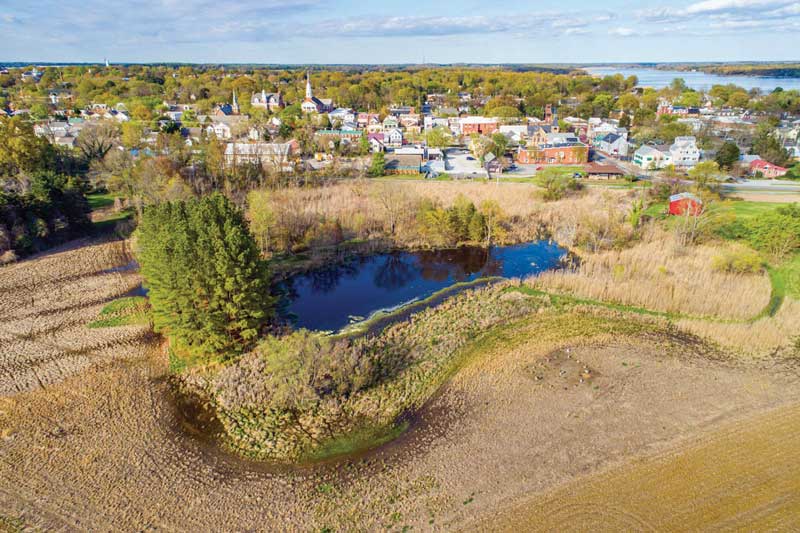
767, 169
554, 154
479, 125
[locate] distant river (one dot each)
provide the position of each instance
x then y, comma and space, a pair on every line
658, 79
330, 298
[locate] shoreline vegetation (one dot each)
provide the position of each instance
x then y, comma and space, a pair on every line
789, 70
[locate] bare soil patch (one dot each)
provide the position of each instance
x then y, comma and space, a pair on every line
106, 450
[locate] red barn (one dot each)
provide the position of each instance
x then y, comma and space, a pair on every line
685, 203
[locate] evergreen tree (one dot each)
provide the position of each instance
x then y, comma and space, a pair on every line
378, 166
208, 288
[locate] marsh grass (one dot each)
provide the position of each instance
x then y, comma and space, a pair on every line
659, 275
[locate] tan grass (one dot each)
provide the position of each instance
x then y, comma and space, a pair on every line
360, 208
765, 335
659, 275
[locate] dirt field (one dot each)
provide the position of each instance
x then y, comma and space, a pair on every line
698, 486
45, 303
102, 447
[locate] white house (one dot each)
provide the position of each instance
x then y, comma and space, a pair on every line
275, 155
649, 158
684, 152
612, 144
393, 137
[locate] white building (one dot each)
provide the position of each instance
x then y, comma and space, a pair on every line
684, 152
649, 158
274, 155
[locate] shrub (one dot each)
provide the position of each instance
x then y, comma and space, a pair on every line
776, 233
738, 261
556, 184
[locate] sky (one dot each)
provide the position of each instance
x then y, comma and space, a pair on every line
394, 31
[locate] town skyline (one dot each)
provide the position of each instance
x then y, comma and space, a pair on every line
309, 32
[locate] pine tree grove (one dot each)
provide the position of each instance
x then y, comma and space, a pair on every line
208, 287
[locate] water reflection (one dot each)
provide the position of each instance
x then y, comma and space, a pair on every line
329, 298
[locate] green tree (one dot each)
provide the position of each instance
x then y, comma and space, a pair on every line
727, 155
438, 138
20, 149
378, 166
208, 288
767, 146
556, 183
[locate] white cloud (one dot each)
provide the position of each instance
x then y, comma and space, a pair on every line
721, 6
623, 32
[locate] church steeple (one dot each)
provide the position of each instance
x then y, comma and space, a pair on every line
309, 94
235, 105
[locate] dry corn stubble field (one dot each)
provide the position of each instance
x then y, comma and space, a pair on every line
554, 397
45, 303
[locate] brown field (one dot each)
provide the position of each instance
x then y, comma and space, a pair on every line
44, 305
698, 486
556, 397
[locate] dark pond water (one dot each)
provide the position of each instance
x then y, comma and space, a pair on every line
330, 298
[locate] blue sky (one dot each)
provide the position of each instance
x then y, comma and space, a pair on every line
392, 31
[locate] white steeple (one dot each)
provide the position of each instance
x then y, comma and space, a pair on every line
309, 94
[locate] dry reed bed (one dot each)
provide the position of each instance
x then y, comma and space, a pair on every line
659, 275
45, 303
360, 207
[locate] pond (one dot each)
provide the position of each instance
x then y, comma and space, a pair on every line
331, 298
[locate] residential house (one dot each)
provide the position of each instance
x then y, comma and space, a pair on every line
223, 126
409, 120
367, 119
390, 122
767, 169
612, 144
342, 115
650, 158
376, 143
684, 152
393, 137
397, 110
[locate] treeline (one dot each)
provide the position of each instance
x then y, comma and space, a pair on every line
42, 199
51, 210
144, 88
780, 70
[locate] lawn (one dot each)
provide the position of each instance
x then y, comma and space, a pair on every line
786, 277
745, 210
100, 200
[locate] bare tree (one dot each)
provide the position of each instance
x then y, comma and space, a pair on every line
96, 139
